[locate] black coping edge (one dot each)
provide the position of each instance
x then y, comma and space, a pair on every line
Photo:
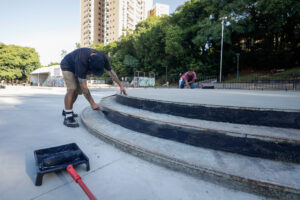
205, 138
239, 115
216, 177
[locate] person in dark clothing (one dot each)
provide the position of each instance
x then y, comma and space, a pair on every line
75, 67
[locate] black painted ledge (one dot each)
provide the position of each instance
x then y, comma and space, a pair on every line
269, 190
212, 139
238, 115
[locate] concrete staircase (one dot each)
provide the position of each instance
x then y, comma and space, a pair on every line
248, 149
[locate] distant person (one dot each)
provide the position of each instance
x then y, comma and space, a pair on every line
75, 67
188, 79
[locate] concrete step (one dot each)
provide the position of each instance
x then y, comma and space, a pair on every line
258, 141
265, 116
269, 178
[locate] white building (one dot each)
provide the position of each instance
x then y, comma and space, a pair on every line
159, 10
47, 76
105, 21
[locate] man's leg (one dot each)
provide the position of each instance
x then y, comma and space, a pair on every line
182, 84
192, 85
70, 98
75, 97
73, 101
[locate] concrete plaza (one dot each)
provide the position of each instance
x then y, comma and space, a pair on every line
275, 99
30, 119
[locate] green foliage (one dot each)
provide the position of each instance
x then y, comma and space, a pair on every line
131, 64
17, 62
77, 45
63, 53
53, 63
266, 33
99, 46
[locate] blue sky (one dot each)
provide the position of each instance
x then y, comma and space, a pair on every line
49, 26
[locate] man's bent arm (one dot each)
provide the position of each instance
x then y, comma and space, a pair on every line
115, 78
187, 82
87, 94
192, 81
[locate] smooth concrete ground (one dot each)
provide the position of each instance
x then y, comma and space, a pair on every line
31, 119
239, 98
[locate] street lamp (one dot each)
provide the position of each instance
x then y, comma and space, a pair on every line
166, 73
221, 56
237, 65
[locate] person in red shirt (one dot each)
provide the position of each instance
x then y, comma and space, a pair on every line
188, 80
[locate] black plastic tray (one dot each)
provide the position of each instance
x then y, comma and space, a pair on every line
42, 154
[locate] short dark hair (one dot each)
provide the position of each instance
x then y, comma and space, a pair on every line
191, 70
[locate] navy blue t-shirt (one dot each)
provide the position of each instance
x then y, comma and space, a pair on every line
78, 62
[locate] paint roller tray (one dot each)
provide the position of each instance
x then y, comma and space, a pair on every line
58, 158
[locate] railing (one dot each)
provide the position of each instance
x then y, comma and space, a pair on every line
291, 82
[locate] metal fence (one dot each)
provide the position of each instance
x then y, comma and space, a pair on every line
291, 82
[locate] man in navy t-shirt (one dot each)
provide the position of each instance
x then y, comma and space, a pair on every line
75, 67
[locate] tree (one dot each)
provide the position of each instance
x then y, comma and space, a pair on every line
131, 63
264, 32
17, 62
63, 53
53, 63
77, 45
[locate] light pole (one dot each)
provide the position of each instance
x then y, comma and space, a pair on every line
166, 73
221, 56
237, 65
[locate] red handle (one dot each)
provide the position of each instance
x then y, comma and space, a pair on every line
78, 180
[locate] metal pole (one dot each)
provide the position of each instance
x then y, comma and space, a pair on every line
166, 74
38, 79
221, 59
237, 66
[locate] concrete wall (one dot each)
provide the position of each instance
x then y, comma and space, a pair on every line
35, 78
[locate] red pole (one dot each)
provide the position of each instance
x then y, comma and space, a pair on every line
78, 180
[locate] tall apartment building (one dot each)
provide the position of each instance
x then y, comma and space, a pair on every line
159, 10
92, 14
104, 21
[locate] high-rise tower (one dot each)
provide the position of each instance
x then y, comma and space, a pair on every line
104, 21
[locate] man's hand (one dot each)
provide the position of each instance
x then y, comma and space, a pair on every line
123, 90
115, 78
95, 106
87, 94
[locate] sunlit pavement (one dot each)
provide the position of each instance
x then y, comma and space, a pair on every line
30, 119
